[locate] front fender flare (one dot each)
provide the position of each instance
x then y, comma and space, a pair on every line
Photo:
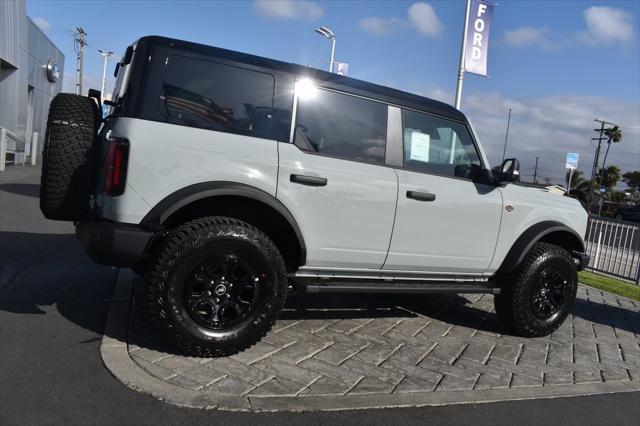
532, 235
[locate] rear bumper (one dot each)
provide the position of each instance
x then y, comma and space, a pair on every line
113, 243
582, 259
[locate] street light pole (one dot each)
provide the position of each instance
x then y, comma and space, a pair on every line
326, 32
105, 54
333, 51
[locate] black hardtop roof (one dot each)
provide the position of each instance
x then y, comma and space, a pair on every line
383, 93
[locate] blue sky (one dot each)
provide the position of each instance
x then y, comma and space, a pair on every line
557, 64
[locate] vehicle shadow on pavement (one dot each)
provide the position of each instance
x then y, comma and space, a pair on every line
450, 308
26, 189
41, 271
613, 316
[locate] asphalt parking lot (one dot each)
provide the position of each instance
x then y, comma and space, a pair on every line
54, 304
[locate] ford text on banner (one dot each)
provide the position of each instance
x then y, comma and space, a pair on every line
477, 42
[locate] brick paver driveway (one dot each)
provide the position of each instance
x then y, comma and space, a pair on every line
371, 351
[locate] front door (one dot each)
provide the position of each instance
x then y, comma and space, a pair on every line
445, 223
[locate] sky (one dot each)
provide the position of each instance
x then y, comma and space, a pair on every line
557, 64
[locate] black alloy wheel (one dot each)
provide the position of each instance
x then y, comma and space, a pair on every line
222, 291
548, 293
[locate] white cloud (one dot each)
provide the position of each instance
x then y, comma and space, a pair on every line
288, 9
528, 36
548, 127
551, 126
606, 25
381, 26
42, 23
420, 16
424, 19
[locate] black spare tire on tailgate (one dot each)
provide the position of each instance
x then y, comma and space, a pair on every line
70, 157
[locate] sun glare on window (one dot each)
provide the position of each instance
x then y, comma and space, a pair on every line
305, 89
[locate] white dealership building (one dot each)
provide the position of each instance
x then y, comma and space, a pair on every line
31, 68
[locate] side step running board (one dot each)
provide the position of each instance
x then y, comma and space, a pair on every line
388, 287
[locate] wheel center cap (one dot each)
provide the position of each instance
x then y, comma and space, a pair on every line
220, 289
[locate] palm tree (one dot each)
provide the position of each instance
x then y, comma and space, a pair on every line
609, 177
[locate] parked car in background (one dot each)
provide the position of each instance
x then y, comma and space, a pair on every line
629, 213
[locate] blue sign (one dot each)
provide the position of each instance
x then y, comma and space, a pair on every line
572, 160
603, 189
477, 42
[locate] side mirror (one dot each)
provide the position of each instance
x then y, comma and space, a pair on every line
510, 171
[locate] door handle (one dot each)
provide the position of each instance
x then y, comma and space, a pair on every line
421, 196
308, 180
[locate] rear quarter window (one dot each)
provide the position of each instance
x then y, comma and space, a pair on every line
210, 95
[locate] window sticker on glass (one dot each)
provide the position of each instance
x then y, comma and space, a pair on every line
420, 146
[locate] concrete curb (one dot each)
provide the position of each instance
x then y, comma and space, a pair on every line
115, 355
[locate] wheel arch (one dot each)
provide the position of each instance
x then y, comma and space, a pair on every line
233, 199
548, 231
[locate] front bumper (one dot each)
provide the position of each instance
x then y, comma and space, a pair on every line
113, 243
582, 260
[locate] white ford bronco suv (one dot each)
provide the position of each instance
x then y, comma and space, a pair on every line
228, 180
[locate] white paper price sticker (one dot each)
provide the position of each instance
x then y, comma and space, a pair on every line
420, 146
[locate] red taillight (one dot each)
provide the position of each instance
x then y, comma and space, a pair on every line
115, 166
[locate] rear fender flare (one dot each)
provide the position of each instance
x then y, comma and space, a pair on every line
187, 195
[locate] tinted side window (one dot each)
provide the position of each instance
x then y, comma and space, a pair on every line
436, 145
220, 97
343, 126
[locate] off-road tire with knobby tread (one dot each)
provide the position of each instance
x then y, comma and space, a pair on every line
166, 276
514, 303
70, 157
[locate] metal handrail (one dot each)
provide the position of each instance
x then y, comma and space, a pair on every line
614, 247
21, 146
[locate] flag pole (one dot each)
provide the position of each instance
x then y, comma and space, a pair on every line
462, 54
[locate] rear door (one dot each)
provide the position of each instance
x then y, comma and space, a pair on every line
445, 223
334, 181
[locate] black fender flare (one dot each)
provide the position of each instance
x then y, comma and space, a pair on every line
199, 191
532, 235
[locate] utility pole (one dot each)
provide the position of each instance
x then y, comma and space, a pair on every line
79, 43
506, 137
596, 158
535, 171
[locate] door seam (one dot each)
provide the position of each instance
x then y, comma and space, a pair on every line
395, 213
